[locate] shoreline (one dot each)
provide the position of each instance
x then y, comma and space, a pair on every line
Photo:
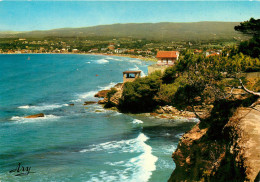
98, 54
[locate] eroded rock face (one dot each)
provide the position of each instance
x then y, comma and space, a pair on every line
102, 93
35, 115
112, 100
174, 112
223, 147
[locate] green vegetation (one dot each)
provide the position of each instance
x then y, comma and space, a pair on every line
138, 95
150, 31
134, 38
194, 80
252, 46
110, 104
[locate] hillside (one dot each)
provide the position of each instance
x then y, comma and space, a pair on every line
152, 31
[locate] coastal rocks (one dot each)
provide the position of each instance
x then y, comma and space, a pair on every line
35, 115
102, 93
172, 112
103, 101
114, 99
89, 102
220, 147
111, 97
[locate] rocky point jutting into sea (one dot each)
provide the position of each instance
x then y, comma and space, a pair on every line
223, 146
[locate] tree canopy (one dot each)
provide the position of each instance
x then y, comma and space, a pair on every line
251, 27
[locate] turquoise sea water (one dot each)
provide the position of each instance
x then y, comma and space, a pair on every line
78, 143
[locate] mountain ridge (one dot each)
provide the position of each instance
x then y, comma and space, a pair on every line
205, 30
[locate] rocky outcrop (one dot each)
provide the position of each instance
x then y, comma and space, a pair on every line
223, 147
112, 96
171, 112
35, 115
89, 102
102, 93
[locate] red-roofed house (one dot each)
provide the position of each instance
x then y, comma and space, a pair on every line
167, 57
213, 54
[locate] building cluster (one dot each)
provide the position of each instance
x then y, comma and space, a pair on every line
116, 49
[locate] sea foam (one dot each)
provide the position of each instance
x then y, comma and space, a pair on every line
22, 119
90, 94
102, 61
106, 87
138, 168
43, 107
137, 121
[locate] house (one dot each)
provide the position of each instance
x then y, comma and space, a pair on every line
167, 57
93, 50
111, 47
75, 50
118, 51
213, 54
103, 49
198, 51
130, 76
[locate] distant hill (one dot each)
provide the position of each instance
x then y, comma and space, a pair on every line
152, 31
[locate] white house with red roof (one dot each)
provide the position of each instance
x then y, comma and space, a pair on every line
167, 57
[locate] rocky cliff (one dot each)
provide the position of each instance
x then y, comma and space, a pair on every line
222, 147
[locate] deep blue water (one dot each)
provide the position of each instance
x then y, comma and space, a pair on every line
78, 143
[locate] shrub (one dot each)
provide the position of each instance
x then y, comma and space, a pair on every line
138, 96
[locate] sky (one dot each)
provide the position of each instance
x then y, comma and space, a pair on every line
45, 15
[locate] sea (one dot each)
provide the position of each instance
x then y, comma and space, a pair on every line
78, 143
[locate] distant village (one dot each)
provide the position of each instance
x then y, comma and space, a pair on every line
140, 48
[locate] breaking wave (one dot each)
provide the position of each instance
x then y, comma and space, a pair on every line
110, 85
22, 119
137, 121
138, 168
102, 61
43, 107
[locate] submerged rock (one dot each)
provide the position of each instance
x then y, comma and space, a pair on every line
89, 102
35, 115
71, 104
99, 110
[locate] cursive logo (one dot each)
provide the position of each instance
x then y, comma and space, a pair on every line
21, 170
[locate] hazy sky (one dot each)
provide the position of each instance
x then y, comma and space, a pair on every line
43, 15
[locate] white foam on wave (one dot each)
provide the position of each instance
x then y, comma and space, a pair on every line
88, 62
139, 168
113, 58
24, 107
21, 119
168, 149
106, 87
137, 61
102, 61
136, 68
137, 121
43, 107
90, 94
